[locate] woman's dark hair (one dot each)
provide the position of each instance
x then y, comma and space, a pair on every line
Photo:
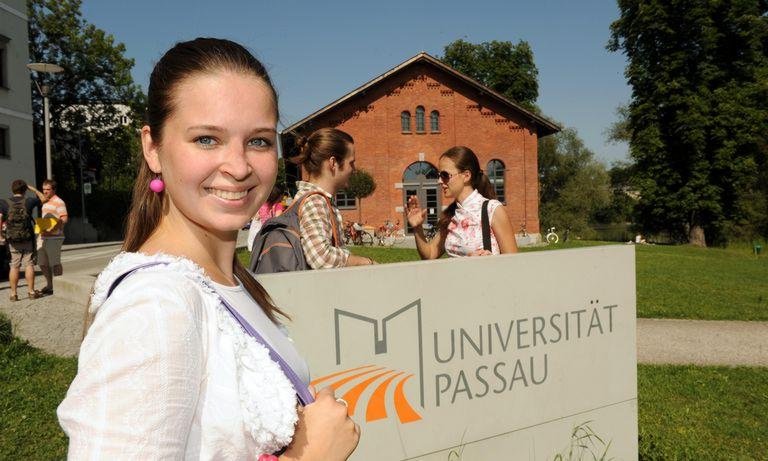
320, 146
185, 60
276, 195
466, 160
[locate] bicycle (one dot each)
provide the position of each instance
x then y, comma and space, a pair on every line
389, 234
429, 231
355, 235
551, 236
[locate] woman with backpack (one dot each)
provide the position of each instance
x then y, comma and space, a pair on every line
460, 228
185, 357
328, 158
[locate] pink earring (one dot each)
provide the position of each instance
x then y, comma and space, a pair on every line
157, 185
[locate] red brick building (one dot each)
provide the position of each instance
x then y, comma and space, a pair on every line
405, 118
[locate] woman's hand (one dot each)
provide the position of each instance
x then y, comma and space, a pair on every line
324, 431
481, 252
416, 215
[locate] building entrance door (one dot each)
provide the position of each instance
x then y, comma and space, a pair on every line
420, 179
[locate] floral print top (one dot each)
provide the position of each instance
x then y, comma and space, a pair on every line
465, 232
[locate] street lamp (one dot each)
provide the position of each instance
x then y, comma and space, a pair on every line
43, 67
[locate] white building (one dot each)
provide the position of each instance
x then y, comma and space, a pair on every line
17, 154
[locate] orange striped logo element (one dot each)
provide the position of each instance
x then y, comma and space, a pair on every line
360, 379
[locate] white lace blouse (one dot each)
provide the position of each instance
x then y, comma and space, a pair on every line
165, 372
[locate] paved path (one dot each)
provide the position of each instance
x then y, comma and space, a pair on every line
55, 323
702, 342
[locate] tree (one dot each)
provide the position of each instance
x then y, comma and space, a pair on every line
620, 131
361, 185
573, 186
623, 198
95, 110
504, 67
698, 114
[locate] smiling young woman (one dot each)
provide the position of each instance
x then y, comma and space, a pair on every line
185, 357
460, 228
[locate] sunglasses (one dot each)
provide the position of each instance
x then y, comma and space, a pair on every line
445, 176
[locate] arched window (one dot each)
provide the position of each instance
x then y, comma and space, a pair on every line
495, 172
434, 121
420, 119
405, 121
419, 171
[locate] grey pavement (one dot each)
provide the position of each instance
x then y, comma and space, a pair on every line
702, 342
55, 323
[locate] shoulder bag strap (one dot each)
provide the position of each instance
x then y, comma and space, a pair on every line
302, 391
331, 214
486, 226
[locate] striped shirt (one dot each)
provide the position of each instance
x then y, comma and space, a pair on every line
55, 208
316, 231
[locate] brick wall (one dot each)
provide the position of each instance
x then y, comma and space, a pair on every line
491, 129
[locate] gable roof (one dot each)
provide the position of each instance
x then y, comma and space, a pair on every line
544, 127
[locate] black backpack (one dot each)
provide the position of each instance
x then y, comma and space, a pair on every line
277, 246
18, 225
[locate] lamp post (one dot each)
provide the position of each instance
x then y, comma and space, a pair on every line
43, 67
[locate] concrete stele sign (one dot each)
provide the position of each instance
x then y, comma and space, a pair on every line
484, 358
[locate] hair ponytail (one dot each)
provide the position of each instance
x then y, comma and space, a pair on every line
484, 186
321, 145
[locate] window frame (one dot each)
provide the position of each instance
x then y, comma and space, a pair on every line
342, 201
420, 128
434, 121
5, 142
4, 62
405, 116
498, 182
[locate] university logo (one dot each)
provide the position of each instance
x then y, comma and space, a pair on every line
380, 389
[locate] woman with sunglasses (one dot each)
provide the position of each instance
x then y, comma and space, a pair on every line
460, 227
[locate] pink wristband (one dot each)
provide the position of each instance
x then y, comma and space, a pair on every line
266, 457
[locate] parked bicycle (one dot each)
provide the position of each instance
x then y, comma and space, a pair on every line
551, 236
354, 234
390, 234
429, 231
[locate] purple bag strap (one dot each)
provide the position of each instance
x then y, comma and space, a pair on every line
302, 391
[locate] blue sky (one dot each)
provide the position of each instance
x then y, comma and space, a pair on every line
317, 51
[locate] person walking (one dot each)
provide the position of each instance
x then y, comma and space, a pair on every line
54, 217
20, 235
328, 157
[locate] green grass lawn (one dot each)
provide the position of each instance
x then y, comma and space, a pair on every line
702, 413
32, 384
701, 283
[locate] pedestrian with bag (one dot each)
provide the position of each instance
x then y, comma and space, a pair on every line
475, 224
51, 237
20, 235
186, 357
328, 158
